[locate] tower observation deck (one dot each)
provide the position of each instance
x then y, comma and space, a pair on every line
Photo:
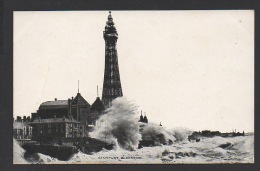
111, 84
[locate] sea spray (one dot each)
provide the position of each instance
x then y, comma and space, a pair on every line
156, 133
119, 124
18, 153
181, 134
162, 136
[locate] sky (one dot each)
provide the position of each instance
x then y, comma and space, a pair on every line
192, 69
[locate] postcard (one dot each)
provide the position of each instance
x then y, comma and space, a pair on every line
133, 87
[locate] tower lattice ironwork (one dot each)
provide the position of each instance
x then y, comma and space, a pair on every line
111, 85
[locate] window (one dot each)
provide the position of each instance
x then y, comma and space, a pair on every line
57, 128
49, 128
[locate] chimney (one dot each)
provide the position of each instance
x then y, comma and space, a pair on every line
18, 119
55, 99
72, 98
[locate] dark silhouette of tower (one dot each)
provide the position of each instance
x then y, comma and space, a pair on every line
141, 118
111, 85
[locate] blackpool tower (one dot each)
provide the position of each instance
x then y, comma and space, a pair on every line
111, 84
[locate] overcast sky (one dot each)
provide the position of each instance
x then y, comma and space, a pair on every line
190, 69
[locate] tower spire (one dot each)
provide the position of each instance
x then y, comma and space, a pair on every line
97, 91
78, 86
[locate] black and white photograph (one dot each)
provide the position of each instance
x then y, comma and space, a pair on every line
133, 87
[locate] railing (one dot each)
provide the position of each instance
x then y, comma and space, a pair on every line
26, 141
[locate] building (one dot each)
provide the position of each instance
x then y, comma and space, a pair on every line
96, 110
76, 108
22, 131
52, 128
78, 105
111, 84
72, 107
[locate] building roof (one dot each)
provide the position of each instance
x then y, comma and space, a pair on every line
54, 120
55, 104
79, 101
97, 105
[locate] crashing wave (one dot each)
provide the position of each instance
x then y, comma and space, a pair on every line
119, 125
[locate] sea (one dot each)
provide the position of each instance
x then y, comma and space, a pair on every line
207, 151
